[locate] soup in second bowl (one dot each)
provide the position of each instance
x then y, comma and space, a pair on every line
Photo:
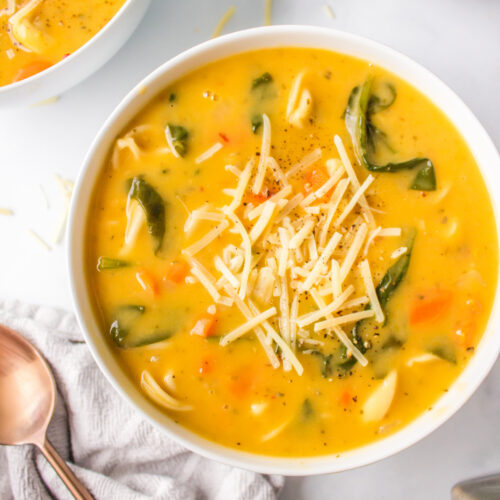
292, 252
36, 34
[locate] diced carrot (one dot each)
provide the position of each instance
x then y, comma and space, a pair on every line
257, 199
315, 178
148, 282
345, 398
246, 380
31, 69
466, 327
206, 365
177, 271
431, 306
205, 325
240, 385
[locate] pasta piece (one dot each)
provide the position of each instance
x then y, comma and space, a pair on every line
303, 110
159, 396
25, 32
422, 358
378, 403
209, 153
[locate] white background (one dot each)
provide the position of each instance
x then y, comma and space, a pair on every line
459, 40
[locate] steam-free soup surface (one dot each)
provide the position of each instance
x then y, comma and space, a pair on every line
261, 292
36, 34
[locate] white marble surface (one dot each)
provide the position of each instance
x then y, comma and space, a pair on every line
458, 40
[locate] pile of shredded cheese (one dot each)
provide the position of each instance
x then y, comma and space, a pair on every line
289, 247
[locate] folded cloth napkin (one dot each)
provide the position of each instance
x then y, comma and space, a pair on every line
115, 453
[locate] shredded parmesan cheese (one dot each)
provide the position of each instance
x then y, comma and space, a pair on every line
348, 318
247, 312
267, 18
206, 240
209, 152
350, 346
247, 326
39, 240
263, 221
302, 234
234, 170
247, 246
354, 180
204, 277
353, 252
223, 21
226, 272
334, 203
325, 255
279, 175
309, 318
366, 274
198, 215
324, 188
283, 193
283, 255
400, 251
66, 187
285, 348
329, 11
305, 162
352, 202
264, 154
390, 231
242, 185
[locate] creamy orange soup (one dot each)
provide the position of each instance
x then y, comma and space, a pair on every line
36, 34
291, 252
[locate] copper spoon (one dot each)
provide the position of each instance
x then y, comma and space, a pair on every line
27, 402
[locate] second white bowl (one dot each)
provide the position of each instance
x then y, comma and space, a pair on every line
81, 63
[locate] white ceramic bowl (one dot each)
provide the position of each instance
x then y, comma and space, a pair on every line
81, 63
281, 36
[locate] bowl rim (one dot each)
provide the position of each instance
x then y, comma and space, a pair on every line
283, 36
4, 89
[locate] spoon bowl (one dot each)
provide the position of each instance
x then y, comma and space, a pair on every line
27, 402
27, 390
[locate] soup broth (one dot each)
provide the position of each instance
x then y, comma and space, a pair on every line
270, 273
36, 34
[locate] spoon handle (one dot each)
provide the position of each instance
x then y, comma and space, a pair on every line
64, 472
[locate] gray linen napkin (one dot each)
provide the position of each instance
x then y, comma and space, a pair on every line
112, 450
